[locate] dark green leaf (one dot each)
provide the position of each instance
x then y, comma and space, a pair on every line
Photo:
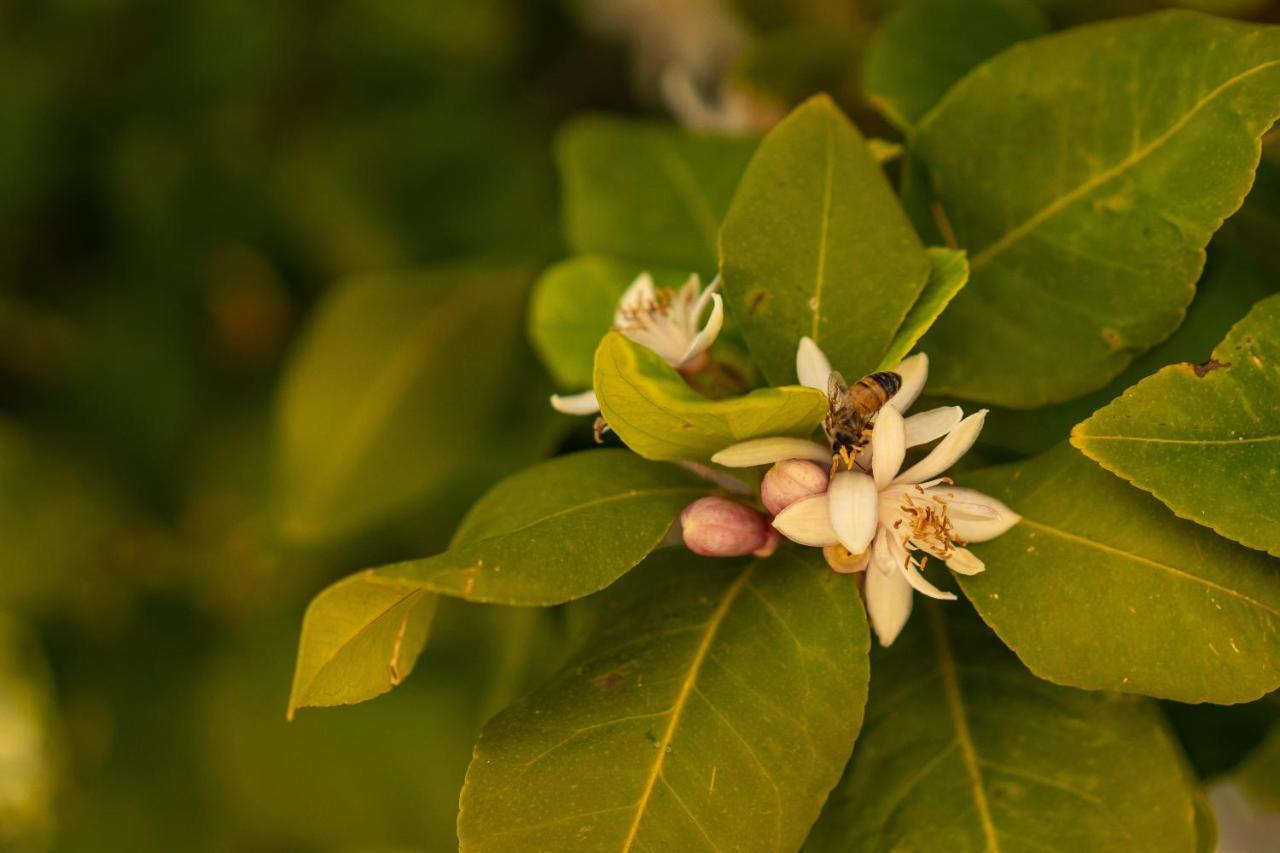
1205, 438
1085, 173
659, 416
962, 743
925, 46
713, 708
646, 192
1101, 587
816, 244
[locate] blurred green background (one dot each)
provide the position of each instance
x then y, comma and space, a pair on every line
204, 202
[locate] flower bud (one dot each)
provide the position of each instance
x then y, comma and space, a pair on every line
790, 480
719, 527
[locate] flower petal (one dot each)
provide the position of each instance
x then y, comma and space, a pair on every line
914, 371
576, 404
975, 517
888, 604
840, 560
924, 427
854, 505
812, 365
766, 451
637, 297
702, 341
922, 585
888, 446
808, 522
964, 562
950, 449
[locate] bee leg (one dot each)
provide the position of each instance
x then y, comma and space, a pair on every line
847, 457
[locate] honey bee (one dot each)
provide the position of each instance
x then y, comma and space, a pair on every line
850, 411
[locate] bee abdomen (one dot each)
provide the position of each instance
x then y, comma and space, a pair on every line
884, 384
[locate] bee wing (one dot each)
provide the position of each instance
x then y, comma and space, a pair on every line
837, 390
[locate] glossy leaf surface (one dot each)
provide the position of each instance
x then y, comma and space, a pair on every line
962, 743
948, 273
659, 416
1101, 587
816, 244
713, 708
1085, 173
1205, 438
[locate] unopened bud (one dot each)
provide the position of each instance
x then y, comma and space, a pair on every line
719, 527
789, 481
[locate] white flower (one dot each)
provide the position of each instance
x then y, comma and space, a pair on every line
877, 516
666, 322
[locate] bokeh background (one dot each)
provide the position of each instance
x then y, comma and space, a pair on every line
184, 187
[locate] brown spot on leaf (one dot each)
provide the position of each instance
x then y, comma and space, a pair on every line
1209, 366
755, 300
1112, 337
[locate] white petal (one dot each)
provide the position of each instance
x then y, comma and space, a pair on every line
963, 562
976, 517
924, 427
812, 365
637, 297
888, 604
808, 522
576, 404
914, 371
888, 446
883, 558
703, 340
766, 451
922, 586
854, 509
950, 449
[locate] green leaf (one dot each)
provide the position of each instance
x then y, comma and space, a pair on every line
557, 531
948, 273
660, 417
962, 743
390, 392
573, 306
1101, 587
360, 638
33, 749
714, 707
1085, 173
646, 192
1205, 439
925, 46
1206, 824
816, 244
1229, 288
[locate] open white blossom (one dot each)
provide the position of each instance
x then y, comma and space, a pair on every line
875, 515
666, 322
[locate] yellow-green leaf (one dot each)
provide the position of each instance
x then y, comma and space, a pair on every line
1101, 587
816, 244
962, 743
1085, 173
659, 416
360, 638
948, 272
1205, 438
713, 708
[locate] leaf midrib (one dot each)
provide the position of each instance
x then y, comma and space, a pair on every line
1059, 204
1207, 442
955, 704
682, 697
1173, 570
824, 230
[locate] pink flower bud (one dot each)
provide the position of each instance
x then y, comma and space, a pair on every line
719, 527
790, 480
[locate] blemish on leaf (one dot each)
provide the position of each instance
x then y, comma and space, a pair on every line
755, 300
1112, 337
1209, 366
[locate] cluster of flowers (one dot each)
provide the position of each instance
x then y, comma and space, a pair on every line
872, 516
